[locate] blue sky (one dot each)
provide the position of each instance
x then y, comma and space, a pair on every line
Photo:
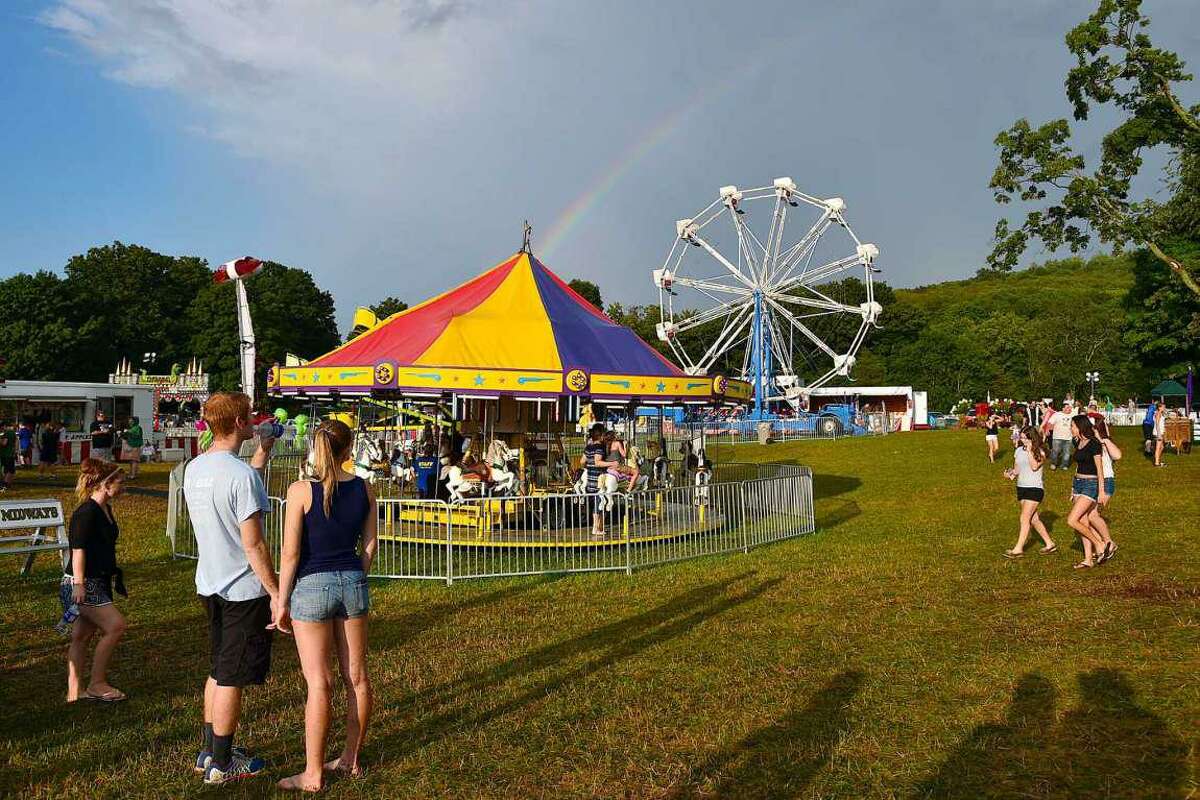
393, 147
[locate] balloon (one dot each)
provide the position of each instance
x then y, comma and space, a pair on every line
206, 439
281, 415
301, 439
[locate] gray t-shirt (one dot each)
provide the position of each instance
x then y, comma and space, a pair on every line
222, 491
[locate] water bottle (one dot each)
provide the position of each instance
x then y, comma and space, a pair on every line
69, 616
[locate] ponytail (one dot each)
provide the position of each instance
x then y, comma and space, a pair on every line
331, 446
94, 473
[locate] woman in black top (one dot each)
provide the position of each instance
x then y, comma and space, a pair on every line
48, 449
991, 435
89, 580
1087, 489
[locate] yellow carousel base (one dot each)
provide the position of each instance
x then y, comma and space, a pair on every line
496, 523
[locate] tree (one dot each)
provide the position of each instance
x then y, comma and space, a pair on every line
1116, 65
1163, 326
35, 335
387, 307
126, 300
291, 314
588, 291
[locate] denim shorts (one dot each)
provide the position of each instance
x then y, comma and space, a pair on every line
1085, 487
323, 596
1110, 486
96, 592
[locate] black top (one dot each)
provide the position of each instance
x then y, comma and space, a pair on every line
591, 452
1085, 458
330, 543
96, 535
991, 429
102, 433
49, 439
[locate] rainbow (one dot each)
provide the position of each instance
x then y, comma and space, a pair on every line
620, 166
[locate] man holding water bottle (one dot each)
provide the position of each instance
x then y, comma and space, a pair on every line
235, 578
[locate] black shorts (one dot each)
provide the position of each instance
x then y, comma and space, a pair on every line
241, 643
1033, 493
8, 464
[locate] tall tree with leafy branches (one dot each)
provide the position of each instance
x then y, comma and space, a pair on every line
1117, 65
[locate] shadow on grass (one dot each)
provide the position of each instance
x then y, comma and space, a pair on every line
609, 644
1107, 747
825, 485
781, 759
843, 511
161, 666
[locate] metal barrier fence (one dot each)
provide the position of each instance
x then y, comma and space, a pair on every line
737, 507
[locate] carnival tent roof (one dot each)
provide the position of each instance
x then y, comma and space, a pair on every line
516, 329
1168, 388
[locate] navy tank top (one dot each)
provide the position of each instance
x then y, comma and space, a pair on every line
330, 544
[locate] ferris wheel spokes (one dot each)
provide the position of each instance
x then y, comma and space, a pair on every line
770, 288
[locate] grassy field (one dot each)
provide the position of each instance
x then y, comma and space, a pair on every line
892, 654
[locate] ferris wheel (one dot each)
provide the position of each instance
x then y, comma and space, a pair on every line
738, 295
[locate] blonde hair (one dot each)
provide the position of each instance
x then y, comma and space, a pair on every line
222, 409
94, 473
331, 446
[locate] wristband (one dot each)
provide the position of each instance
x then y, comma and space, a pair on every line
75, 582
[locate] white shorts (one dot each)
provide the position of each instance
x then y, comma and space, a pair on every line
992, 438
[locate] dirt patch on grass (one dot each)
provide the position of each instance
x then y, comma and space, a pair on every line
1148, 590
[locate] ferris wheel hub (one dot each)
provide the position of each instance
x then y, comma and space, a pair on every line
836, 205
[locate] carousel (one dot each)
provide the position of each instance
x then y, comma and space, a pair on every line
499, 379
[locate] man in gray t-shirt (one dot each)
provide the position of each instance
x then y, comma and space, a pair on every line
235, 578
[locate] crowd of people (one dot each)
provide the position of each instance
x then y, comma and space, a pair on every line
1078, 438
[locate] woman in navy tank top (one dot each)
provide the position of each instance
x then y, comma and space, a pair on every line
328, 545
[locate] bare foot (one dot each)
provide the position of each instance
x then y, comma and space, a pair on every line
353, 770
300, 783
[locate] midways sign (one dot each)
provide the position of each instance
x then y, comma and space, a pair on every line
16, 514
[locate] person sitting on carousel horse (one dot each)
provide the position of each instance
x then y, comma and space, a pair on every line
625, 466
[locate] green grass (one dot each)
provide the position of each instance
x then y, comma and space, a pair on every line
892, 654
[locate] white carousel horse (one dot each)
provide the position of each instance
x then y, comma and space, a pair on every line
504, 460
463, 484
365, 455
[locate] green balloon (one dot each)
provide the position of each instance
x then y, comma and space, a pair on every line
281, 415
206, 439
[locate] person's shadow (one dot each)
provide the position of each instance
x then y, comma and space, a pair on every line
780, 759
1107, 747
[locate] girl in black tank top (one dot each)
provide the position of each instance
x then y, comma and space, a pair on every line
329, 543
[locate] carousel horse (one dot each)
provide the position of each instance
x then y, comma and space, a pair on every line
476, 479
506, 459
366, 454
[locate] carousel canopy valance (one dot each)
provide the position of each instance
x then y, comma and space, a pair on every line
517, 329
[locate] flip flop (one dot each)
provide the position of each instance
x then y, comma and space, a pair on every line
1012, 555
1048, 550
1083, 565
114, 696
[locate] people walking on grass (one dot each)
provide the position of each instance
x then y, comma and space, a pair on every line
1028, 458
1109, 454
227, 501
1087, 491
8, 454
1160, 430
48, 443
329, 542
1060, 428
90, 578
1148, 430
25, 443
991, 435
131, 447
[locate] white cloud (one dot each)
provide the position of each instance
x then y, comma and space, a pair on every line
293, 80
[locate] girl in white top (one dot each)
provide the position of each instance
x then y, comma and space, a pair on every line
1160, 430
1108, 454
1029, 458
